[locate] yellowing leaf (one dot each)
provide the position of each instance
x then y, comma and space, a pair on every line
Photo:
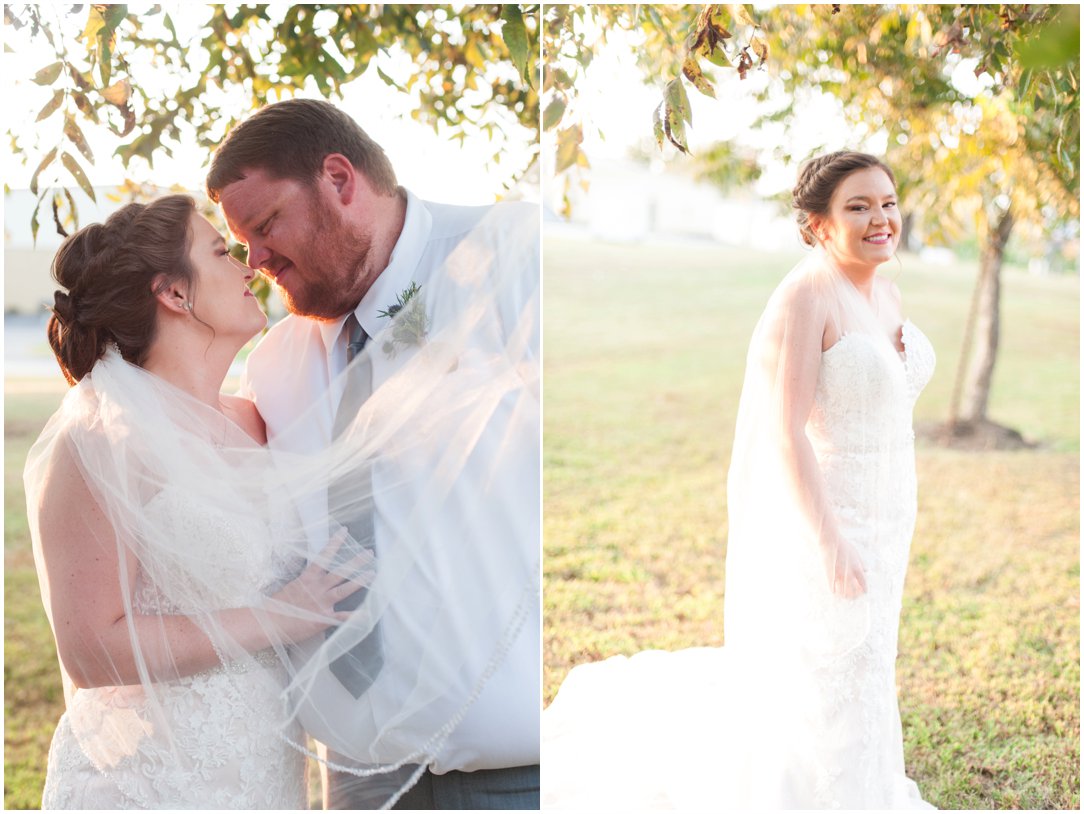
739, 12
51, 106
674, 127
473, 55
48, 74
568, 146
76, 137
45, 162
77, 173
691, 69
760, 48
95, 23
118, 93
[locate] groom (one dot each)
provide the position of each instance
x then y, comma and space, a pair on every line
317, 204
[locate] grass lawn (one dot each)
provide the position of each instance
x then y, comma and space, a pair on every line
644, 354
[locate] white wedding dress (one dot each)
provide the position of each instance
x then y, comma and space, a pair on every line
812, 724
206, 741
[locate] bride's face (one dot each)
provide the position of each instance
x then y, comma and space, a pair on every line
222, 298
863, 225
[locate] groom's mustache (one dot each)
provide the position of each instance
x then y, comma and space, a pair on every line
273, 266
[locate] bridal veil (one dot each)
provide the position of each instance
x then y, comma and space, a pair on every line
451, 440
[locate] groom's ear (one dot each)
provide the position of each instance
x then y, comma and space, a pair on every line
342, 176
169, 294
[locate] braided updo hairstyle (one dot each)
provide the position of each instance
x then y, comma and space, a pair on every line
109, 270
817, 181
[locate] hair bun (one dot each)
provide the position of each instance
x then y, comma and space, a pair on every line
62, 307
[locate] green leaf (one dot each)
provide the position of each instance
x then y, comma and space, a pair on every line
48, 74
1057, 43
674, 127
51, 106
717, 56
514, 33
656, 121
34, 225
45, 162
77, 173
114, 15
105, 60
387, 79
76, 137
168, 22
677, 100
554, 111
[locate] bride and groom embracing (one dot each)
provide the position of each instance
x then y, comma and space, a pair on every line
347, 551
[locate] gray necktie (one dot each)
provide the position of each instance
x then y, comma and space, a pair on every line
357, 668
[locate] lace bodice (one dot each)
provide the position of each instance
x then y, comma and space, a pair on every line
866, 392
240, 561
210, 740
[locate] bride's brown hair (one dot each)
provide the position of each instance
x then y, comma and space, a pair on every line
818, 179
109, 271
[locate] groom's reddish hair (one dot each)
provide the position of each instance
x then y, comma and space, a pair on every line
290, 139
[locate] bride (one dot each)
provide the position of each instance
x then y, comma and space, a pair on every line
194, 610
799, 709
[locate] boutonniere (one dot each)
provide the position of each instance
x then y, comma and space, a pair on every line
410, 324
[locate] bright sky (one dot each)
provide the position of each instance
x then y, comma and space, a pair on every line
431, 166
621, 106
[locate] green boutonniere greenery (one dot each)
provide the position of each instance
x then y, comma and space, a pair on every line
410, 324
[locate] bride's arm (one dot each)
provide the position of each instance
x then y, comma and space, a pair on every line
800, 334
101, 642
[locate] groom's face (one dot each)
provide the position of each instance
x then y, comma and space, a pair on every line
299, 239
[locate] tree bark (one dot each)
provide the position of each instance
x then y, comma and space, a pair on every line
907, 235
973, 378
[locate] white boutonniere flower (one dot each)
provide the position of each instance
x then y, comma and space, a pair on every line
410, 323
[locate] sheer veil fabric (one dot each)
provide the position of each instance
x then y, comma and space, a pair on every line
204, 520
799, 709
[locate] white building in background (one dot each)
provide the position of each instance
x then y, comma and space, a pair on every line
630, 201
28, 281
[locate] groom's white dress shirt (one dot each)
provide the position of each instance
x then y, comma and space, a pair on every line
292, 371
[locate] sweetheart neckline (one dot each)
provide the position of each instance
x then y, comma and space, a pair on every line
902, 355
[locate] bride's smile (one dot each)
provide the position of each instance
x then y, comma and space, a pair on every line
862, 227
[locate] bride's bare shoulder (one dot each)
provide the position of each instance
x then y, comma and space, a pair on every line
246, 416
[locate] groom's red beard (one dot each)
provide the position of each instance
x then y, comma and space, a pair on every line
334, 254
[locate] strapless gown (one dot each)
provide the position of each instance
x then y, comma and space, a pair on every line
206, 741
704, 728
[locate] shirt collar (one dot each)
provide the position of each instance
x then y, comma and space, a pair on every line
396, 277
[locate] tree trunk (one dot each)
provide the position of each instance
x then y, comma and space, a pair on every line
972, 392
907, 234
